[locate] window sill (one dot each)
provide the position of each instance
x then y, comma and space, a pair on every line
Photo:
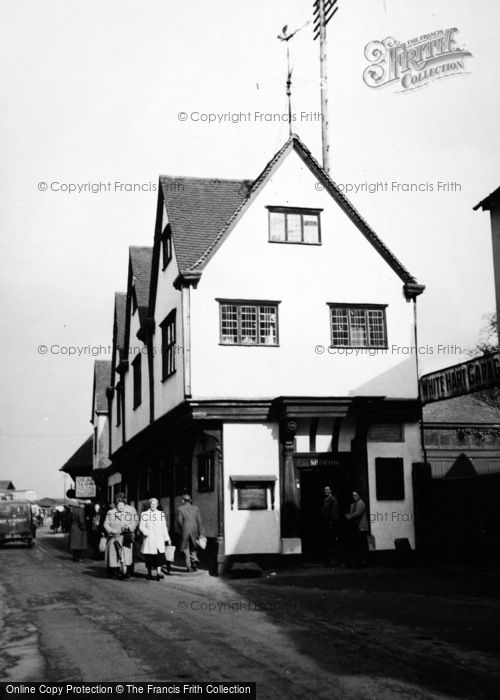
249, 345
164, 379
358, 347
295, 243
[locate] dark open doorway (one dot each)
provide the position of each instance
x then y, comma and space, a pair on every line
312, 482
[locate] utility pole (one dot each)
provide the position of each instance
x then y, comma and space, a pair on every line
323, 12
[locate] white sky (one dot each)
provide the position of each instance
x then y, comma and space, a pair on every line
91, 92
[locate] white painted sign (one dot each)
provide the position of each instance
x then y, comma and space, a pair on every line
475, 375
84, 487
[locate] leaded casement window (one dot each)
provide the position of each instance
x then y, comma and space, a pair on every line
248, 322
358, 326
294, 225
168, 345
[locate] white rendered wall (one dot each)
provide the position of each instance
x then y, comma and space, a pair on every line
345, 269
116, 431
136, 419
169, 393
393, 519
251, 448
100, 458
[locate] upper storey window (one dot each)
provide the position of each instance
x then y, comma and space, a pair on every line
166, 246
291, 225
358, 326
248, 322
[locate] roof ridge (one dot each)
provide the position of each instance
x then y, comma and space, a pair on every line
254, 187
205, 179
342, 200
379, 242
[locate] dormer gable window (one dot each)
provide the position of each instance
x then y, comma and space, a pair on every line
294, 225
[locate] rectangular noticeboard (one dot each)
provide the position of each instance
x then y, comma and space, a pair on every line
252, 498
84, 487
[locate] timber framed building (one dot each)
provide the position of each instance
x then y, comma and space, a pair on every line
254, 363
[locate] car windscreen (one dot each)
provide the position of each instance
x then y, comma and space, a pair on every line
14, 510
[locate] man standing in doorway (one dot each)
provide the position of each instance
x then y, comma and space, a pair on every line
189, 522
330, 523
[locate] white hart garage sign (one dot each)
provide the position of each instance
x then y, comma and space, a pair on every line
465, 378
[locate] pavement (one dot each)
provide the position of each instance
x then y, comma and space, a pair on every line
377, 632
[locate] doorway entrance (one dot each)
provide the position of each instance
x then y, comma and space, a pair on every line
313, 479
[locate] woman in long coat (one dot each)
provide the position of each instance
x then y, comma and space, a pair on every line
119, 525
358, 527
154, 529
77, 533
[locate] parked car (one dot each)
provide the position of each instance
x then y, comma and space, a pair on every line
17, 522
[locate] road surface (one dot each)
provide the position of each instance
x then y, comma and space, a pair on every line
365, 634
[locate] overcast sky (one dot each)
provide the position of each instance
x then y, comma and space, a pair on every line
91, 93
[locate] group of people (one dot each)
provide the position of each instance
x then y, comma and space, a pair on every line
344, 535
118, 527
61, 519
113, 531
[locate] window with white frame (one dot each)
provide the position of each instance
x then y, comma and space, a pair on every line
168, 341
248, 322
293, 225
358, 326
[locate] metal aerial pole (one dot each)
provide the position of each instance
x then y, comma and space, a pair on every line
285, 36
289, 89
323, 12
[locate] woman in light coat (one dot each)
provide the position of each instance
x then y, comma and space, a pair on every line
119, 525
154, 529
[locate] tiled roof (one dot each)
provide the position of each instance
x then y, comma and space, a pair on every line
461, 409
120, 310
198, 209
201, 212
5, 485
492, 200
80, 463
102, 379
140, 260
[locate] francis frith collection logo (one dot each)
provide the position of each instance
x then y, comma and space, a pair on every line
414, 63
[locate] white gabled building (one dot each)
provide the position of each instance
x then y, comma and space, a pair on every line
271, 369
